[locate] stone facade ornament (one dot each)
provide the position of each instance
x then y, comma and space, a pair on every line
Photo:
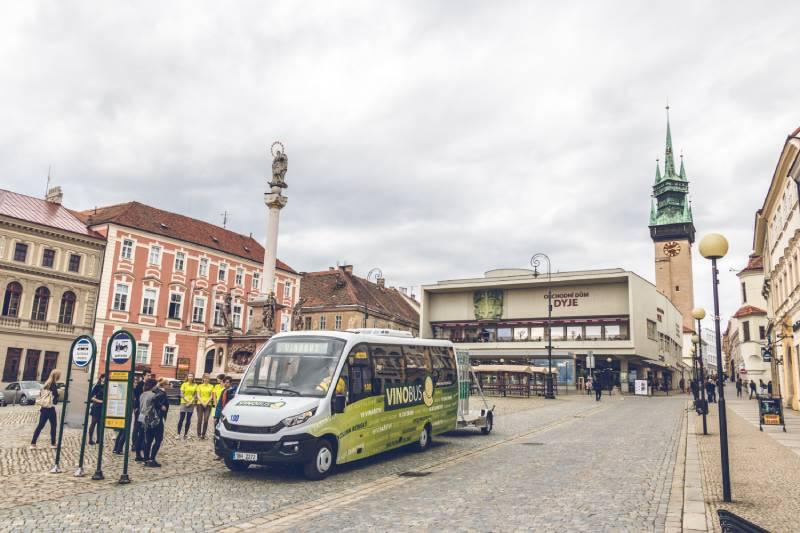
280, 164
297, 314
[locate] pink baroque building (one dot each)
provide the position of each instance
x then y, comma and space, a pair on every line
182, 287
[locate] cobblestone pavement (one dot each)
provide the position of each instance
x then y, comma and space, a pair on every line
764, 473
619, 481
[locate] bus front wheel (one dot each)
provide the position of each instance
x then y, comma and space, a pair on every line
424, 440
321, 462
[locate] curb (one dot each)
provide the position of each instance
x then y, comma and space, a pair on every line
695, 512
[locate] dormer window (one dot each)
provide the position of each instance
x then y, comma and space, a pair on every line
214, 239
164, 226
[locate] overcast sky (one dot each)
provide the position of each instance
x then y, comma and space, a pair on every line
434, 140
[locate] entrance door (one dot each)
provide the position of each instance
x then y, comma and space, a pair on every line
50, 362
31, 365
11, 368
209, 366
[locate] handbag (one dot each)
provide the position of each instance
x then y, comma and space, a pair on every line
45, 399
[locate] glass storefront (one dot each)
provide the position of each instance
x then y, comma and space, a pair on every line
504, 332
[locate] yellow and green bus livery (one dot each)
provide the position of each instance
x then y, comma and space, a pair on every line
321, 398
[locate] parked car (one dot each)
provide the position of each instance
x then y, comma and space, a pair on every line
2, 399
22, 392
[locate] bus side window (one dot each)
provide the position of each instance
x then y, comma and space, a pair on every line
360, 373
417, 363
444, 366
387, 366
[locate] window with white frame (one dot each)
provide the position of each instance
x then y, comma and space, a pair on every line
169, 356
143, 353
180, 261
236, 312
127, 249
175, 300
239, 276
337, 322
287, 289
256, 280
120, 297
322, 322
222, 275
149, 296
285, 322
155, 255
202, 268
199, 310
218, 313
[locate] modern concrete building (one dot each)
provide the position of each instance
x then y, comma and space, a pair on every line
50, 265
777, 240
631, 328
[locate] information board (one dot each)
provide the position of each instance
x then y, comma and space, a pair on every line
640, 387
83, 351
770, 411
117, 399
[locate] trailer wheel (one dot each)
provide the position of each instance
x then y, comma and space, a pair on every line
489, 424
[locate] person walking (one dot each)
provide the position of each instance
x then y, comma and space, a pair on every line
96, 409
711, 390
152, 414
188, 400
47, 401
598, 390
695, 389
739, 387
205, 401
682, 385
762, 386
589, 386
769, 388
219, 386
752, 389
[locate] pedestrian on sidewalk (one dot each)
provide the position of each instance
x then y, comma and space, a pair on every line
96, 409
589, 386
48, 398
205, 401
188, 399
154, 410
682, 385
711, 391
137, 436
695, 389
769, 388
752, 389
762, 386
739, 388
219, 386
598, 390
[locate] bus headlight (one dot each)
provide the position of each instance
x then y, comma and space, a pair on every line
299, 419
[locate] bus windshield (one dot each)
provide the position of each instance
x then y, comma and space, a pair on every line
294, 366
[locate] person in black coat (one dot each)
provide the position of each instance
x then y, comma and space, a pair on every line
711, 392
695, 389
752, 389
96, 409
598, 389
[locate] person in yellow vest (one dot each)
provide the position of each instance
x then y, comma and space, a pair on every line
188, 399
205, 401
218, 388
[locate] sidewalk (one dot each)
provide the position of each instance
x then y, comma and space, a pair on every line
764, 467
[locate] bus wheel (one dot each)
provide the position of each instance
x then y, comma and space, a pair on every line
236, 466
489, 424
321, 462
424, 441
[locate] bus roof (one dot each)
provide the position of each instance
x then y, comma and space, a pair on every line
365, 337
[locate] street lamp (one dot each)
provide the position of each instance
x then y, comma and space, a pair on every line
699, 314
714, 246
536, 260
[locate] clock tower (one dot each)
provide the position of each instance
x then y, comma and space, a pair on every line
672, 231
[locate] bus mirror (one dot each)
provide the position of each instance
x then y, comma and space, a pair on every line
338, 403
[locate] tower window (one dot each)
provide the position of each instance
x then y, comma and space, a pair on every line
677, 288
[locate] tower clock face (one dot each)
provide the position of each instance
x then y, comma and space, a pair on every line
672, 249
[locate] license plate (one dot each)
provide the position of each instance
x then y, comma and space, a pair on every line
241, 456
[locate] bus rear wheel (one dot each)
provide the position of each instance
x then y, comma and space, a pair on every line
321, 463
424, 440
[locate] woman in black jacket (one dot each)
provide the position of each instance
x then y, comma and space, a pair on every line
48, 398
96, 409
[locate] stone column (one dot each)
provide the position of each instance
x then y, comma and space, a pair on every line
623, 375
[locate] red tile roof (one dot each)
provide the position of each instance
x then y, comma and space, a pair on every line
339, 287
754, 263
747, 310
159, 222
42, 212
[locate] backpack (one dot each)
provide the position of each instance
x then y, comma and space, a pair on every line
152, 418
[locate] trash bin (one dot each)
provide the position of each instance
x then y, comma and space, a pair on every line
701, 406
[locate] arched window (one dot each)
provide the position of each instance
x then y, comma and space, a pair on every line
40, 300
12, 298
67, 308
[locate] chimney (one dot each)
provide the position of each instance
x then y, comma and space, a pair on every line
347, 268
54, 195
381, 282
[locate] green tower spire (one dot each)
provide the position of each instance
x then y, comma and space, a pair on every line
670, 212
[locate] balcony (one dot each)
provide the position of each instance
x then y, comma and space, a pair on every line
8, 322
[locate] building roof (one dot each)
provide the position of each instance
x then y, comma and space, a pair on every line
339, 287
755, 263
157, 221
42, 212
521, 369
747, 310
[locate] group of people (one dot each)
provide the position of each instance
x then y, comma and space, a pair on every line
765, 388
710, 386
202, 398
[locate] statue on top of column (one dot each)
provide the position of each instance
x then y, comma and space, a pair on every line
280, 164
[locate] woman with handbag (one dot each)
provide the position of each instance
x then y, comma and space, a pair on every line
47, 401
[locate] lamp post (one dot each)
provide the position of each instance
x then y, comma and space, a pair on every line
699, 314
536, 260
714, 246
610, 375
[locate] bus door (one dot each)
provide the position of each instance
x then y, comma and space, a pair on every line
358, 370
389, 372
